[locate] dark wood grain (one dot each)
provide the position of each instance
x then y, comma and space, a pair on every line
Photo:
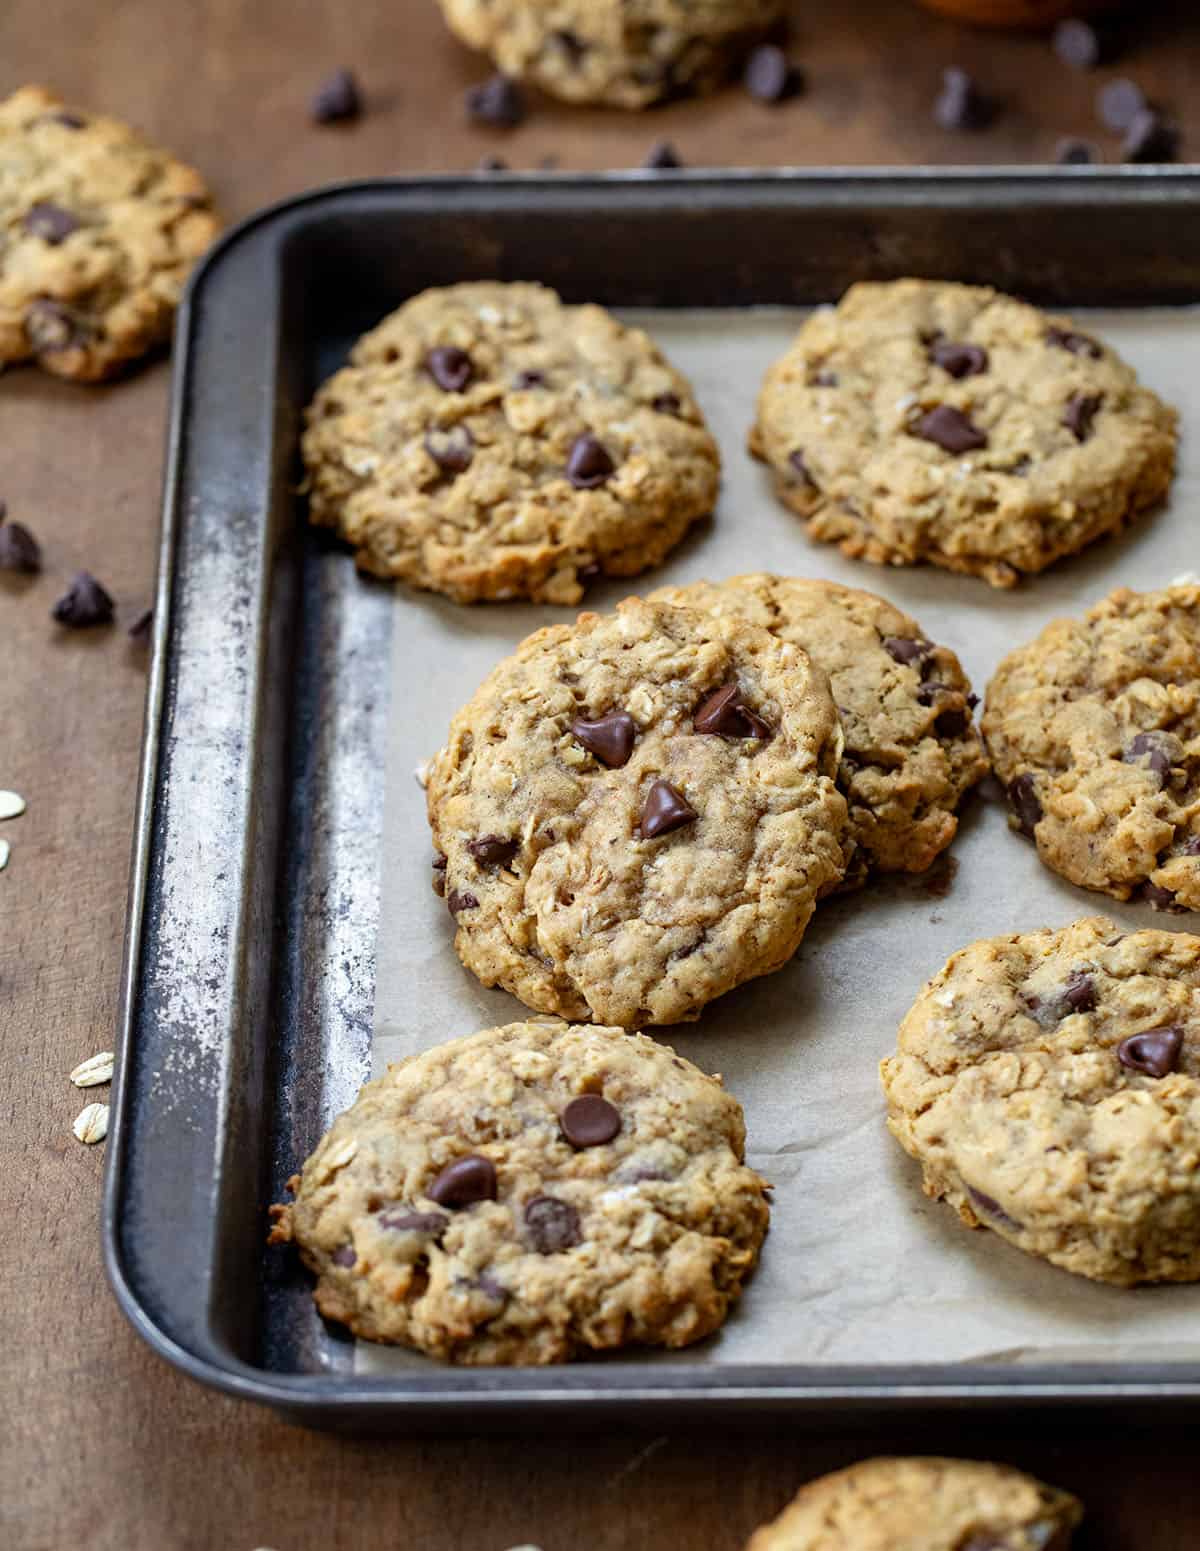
100, 1444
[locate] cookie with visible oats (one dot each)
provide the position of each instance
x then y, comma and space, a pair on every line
921, 421
923, 1504
627, 53
1049, 1086
487, 441
1094, 729
911, 749
638, 812
531, 1193
99, 230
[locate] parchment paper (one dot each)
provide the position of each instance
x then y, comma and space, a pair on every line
858, 1266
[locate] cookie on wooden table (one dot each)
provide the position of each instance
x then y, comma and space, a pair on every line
1094, 728
628, 53
923, 1504
529, 1194
922, 421
911, 749
99, 230
487, 441
638, 812
1049, 1086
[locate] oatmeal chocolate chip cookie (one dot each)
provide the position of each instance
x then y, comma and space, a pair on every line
530, 1193
637, 813
1049, 1086
628, 53
923, 421
911, 748
487, 441
98, 232
923, 1504
1094, 728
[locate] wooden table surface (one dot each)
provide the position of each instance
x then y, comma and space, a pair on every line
100, 1443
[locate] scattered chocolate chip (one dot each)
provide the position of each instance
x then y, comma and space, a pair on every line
1153, 748
1022, 795
19, 550
451, 450
529, 379
337, 99
667, 404
1079, 44
1076, 344
662, 157
665, 809
1080, 413
587, 574
590, 1121
459, 900
610, 738
450, 367
796, 459
439, 875
490, 163
1119, 102
50, 326
904, 650
972, 701
434, 1223
553, 1225
84, 603
464, 1182
1154, 1052
588, 463
1080, 991
492, 850
960, 360
1069, 152
769, 76
951, 724
949, 429
1160, 898
344, 1255
497, 102
50, 222
961, 104
726, 715
491, 1288
141, 629
993, 1209
1150, 138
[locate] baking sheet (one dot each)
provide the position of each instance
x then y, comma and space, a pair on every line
859, 1267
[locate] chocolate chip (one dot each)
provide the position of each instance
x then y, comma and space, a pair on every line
993, 1209
491, 850
796, 459
1076, 344
491, 1288
588, 463
439, 875
142, 627
726, 714
1160, 898
768, 75
464, 1182
528, 379
553, 1225
490, 163
450, 367
662, 157
961, 104
1078, 44
1150, 138
1069, 152
344, 1255
337, 99
1022, 794
1079, 993
1192, 847
610, 738
1080, 413
50, 326
19, 550
451, 450
590, 1121
951, 724
433, 1223
1155, 1052
1119, 102
459, 900
571, 44
667, 404
497, 102
1155, 750
960, 360
823, 379
84, 603
587, 574
904, 650
665, 809
50, 222
972, 701
949, 429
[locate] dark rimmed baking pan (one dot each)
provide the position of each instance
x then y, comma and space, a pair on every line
247, 991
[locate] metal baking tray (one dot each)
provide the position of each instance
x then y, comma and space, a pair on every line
248, 983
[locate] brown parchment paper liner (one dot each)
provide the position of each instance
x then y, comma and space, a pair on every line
859, 1267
